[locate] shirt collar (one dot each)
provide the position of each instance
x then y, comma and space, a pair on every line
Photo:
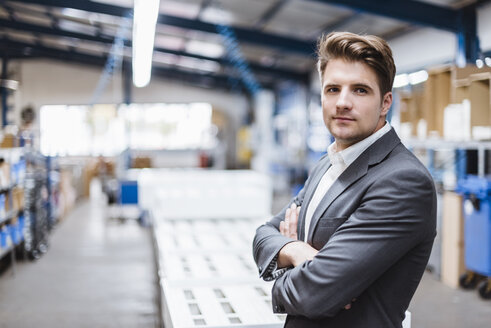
350, 154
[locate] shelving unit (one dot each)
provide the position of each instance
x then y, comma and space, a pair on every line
12, 221
29, 209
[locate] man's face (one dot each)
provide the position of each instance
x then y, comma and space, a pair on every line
352, 106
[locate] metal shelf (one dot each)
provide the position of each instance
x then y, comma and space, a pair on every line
441, 144
8, 216
446, 144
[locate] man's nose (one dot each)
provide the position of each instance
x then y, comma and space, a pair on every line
344, 100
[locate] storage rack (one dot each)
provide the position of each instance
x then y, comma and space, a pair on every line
12, 220
39, 186
438, 145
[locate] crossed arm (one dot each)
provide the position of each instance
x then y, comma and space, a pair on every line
393, 217
297, 252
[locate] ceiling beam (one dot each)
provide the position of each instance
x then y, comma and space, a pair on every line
257, 68
468, 50
15, 49
461, 21
244, 35
412, 11
56, 31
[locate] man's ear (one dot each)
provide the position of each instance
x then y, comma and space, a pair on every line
386, 103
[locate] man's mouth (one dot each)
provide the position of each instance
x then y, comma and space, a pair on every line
342, 118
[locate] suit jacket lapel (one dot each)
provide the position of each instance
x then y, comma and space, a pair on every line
355, 171
371, 156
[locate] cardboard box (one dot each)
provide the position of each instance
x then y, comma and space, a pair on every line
460, 74
18, 199
452, 239
4, 175
436, 98
475, 88
141, 162
479, 96
17, 203
8, 141
411, 109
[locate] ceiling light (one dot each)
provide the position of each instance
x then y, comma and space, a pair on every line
205, 48
144, 22
479, 63
418, 77
401, 80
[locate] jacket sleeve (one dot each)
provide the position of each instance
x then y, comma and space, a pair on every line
268, 241
396, 213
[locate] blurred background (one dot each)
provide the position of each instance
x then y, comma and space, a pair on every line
143, 142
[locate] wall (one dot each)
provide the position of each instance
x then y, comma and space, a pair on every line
44, 82
484, 26
422, 48
428, 47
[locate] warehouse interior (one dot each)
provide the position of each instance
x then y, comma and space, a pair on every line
133, 203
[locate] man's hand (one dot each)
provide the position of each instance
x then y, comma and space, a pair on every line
297, 252
288, 227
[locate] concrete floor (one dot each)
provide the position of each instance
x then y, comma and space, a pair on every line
436, 305
98, 272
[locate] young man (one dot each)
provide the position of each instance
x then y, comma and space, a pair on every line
350, 249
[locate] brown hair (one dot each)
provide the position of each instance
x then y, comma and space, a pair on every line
369, 49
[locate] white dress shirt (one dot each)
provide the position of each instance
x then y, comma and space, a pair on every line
340, 160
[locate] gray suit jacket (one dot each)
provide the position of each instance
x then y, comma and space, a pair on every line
374, 230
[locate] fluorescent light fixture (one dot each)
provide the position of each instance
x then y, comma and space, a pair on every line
144, 22
205, 48
487, 60
196, 64
401, 80
418, 77
479, 63
217, 16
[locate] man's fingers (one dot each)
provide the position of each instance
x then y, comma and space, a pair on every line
287, 223
282, 228
288, 227
294, 222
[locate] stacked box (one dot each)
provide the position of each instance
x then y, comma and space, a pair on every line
452, 240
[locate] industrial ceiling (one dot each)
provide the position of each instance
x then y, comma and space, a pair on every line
220, 43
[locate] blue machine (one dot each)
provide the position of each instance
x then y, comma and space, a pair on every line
128, 192
476, 192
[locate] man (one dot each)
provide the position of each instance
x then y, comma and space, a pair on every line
350, 249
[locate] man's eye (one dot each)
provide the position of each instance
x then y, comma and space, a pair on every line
331, 90
360, 90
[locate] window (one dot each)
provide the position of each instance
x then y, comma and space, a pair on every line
108, 130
